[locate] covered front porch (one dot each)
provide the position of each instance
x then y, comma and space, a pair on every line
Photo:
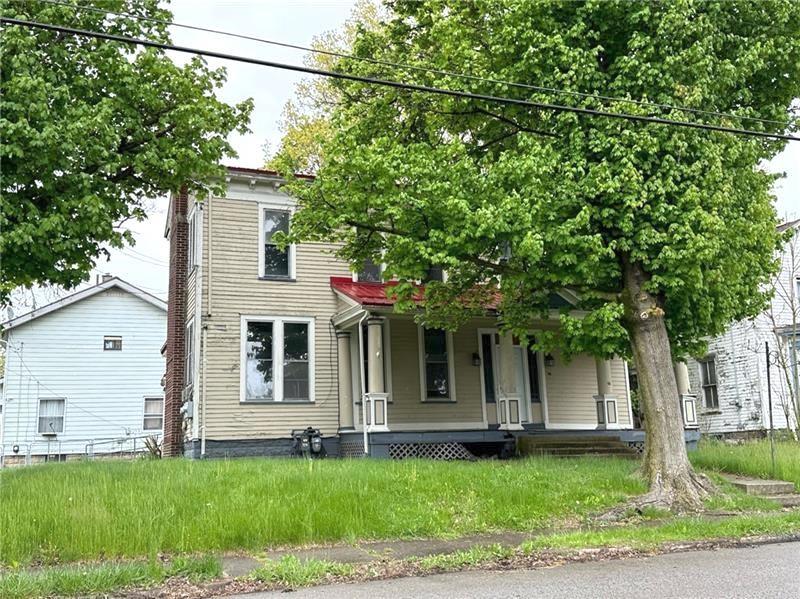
401, 384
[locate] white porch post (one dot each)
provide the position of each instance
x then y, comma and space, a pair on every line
377, 400
346, 421
509, 396
687, 399
605, 401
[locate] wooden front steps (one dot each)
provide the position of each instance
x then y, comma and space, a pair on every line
574, 446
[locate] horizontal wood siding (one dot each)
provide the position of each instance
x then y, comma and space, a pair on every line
571, 387
60, 355
237, 290
407, 407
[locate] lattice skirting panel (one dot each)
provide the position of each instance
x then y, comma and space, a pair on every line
431, 451
637, 445
351, 449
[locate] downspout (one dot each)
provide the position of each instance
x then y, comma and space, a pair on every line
363, 387
5, 410
199, 331
203, 395
210, 246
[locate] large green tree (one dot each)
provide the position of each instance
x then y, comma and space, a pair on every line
90, 129
666, 234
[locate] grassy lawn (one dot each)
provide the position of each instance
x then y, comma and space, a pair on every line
67, 512
751, 459
95, 579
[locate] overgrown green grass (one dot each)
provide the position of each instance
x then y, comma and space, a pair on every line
292, 572
91, 579
751, 459
67, 512
678, 530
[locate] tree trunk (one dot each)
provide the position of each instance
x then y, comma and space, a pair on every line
673, 482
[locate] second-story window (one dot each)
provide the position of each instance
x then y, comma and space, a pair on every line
370, 272
434, 273
276, 262
112, 343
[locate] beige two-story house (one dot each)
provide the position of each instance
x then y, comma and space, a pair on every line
263, 341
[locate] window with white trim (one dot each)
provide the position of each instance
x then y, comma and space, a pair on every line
436, 365
277, 359
153, 414
51, 416
708, 380
275, 262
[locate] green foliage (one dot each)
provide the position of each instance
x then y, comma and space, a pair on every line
292, 572
91, 579
474, 556
90, 129
751, 459
75, 511
305, 121
418, 179
678, 530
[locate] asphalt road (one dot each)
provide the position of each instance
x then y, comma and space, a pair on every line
766, 571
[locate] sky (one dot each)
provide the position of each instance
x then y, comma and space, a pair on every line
297, 22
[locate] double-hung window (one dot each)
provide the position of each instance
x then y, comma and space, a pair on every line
436, 365
274, 262
708, 380
370, 272
51, 416
153, 414
277, 359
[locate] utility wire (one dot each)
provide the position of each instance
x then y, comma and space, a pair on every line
416, 68
58, 395
391, 83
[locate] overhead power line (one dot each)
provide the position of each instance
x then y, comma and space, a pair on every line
416, 68
394, 84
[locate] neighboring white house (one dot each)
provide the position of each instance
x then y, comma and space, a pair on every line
731, 380
83, 374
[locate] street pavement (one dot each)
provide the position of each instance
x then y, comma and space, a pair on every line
765, 571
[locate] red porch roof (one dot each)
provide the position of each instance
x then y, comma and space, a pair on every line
367, 294
375, 294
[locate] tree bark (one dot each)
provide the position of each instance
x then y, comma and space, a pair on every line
673, 482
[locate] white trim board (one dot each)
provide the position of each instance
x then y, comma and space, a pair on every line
432, 427
82, 295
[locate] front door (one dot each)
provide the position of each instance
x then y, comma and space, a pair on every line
526, 370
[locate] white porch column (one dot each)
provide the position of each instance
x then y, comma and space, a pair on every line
605, 401
375, 354
346, 421
376, 402
687, 398
508, 402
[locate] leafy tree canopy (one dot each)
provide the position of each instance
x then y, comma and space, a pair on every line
537, 201
90, 129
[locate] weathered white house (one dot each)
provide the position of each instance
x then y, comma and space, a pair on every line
83, 374
731, 381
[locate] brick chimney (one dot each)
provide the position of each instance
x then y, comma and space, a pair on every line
176, 325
